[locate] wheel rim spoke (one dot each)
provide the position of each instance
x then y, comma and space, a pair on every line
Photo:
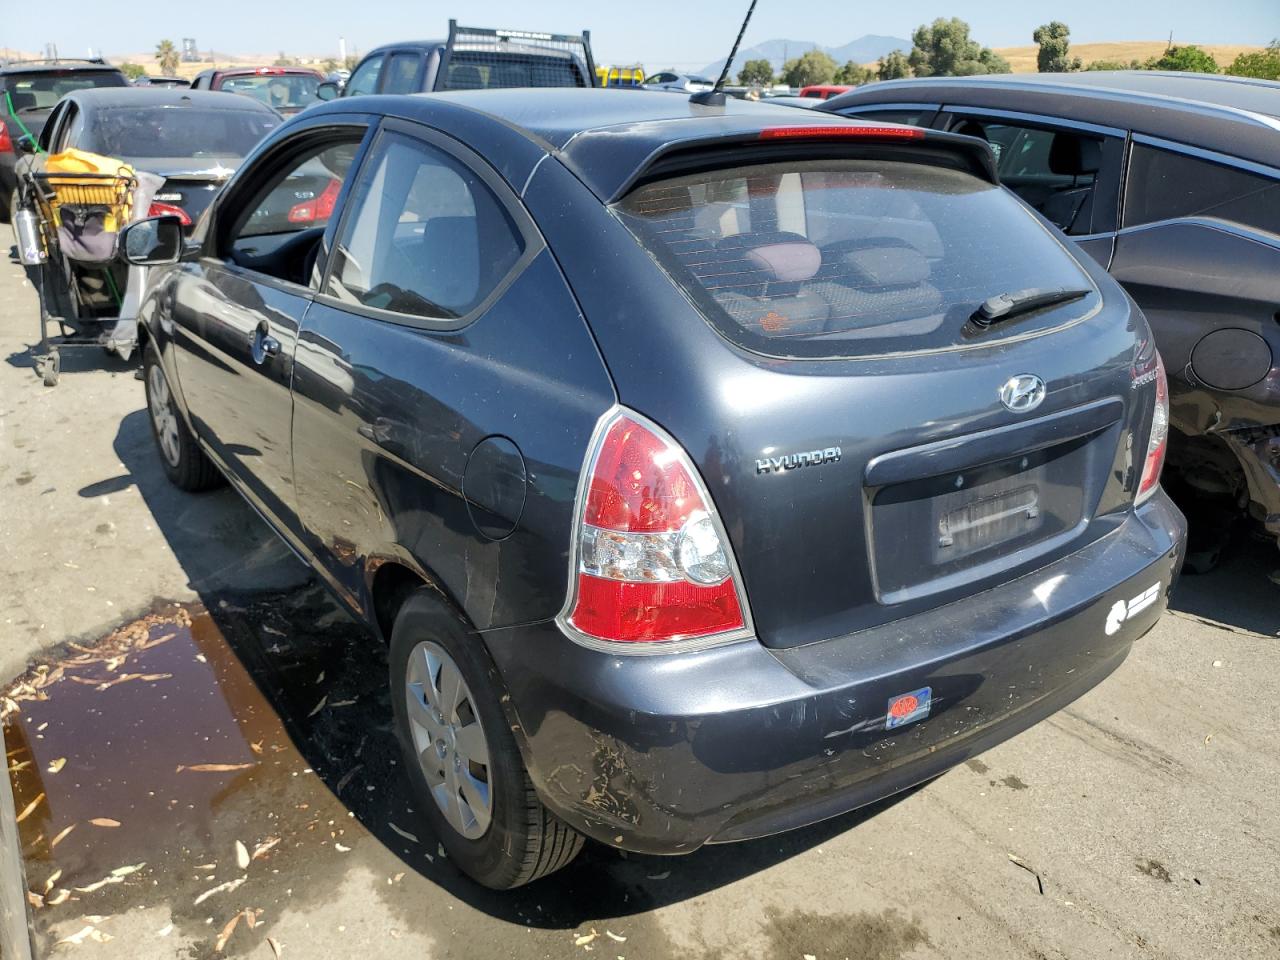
472, 745
450, 684
475, 794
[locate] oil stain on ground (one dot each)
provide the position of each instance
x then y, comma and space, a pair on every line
887, 935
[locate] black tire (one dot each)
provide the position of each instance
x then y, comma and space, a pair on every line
524, 840
184, 463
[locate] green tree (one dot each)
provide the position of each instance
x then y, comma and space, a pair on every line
284, 60
1188, 59
1113, 65
854, 74
1262, 64
893, 66
132, 70
758, 71
167, 56
944, 49
350, 62
1053, 56
329, 65
814, 67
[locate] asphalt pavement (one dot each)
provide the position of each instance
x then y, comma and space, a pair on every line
200, 758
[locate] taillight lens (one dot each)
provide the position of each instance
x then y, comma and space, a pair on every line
6, 144
321, 208
1158, 443
169, 210
652, 563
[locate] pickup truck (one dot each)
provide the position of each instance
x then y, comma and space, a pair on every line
472, 58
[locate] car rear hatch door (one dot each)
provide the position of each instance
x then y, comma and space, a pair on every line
876, 442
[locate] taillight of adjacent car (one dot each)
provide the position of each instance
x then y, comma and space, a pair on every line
158, 209
1146, 367
318, 209
651, 562
6, 143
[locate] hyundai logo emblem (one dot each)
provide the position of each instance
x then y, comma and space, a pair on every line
1022, 393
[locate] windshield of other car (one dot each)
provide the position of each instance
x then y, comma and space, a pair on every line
134, 132
482, 70
830, 258
278, 90
42, 90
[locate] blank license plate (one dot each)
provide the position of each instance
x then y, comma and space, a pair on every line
985, 522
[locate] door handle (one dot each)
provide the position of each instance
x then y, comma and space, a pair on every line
262, 345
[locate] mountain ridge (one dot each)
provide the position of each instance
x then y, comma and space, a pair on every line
777, 51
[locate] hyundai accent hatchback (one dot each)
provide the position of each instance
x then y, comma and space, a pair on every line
709, 471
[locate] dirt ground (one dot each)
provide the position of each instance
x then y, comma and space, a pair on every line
201, 752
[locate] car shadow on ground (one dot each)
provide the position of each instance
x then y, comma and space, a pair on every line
1239, 591
326, 678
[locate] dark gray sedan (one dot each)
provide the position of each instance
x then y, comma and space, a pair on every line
709, 471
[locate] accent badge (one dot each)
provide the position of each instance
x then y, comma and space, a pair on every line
908, 707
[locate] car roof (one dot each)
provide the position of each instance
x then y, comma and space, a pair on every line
607, 137
56, 66
101, 98
266, 71
1233, 115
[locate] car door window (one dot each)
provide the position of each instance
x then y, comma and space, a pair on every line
401, 73
426, 237
365, 79
279, 229
71, 132
1054, 170
1168, 185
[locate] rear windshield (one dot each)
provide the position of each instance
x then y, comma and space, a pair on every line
42, 90
480, 70
278, 90
178, 132
829, 258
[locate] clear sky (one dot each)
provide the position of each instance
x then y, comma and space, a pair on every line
658, 33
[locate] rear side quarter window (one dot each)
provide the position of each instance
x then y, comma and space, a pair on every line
1169, 185
425, 238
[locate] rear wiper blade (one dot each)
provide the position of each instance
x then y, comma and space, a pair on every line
1006, 305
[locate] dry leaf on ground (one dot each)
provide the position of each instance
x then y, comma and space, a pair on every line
30, 808
242, 855
275, 946
220, 888
104, 822
57, 765
89, 932
225, 935
404, 833
60, 897
53, 878
264, 846
62, 835
213, 767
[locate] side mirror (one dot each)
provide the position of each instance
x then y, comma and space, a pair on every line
327, 91
154, 242
26, 144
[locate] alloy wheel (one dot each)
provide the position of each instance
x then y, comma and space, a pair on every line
448, 739
163, 417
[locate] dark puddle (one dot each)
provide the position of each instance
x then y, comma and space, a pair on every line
264, 722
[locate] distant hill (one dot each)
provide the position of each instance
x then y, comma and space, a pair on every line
777, 52
1023, 59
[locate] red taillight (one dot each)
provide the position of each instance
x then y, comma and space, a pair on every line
652, 562
6, 144
321, 208
168, 210
1158, 443
842, 133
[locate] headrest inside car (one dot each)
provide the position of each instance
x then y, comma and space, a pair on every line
779, 257
1072, 156
888, 266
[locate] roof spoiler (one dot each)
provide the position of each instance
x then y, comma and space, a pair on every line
681, 157
577, 45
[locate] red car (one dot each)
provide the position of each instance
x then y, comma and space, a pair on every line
824, 91
285, 89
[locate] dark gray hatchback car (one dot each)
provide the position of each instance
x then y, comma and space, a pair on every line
709, 471
1172, 182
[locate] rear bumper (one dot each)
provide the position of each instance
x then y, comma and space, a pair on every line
661, 754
